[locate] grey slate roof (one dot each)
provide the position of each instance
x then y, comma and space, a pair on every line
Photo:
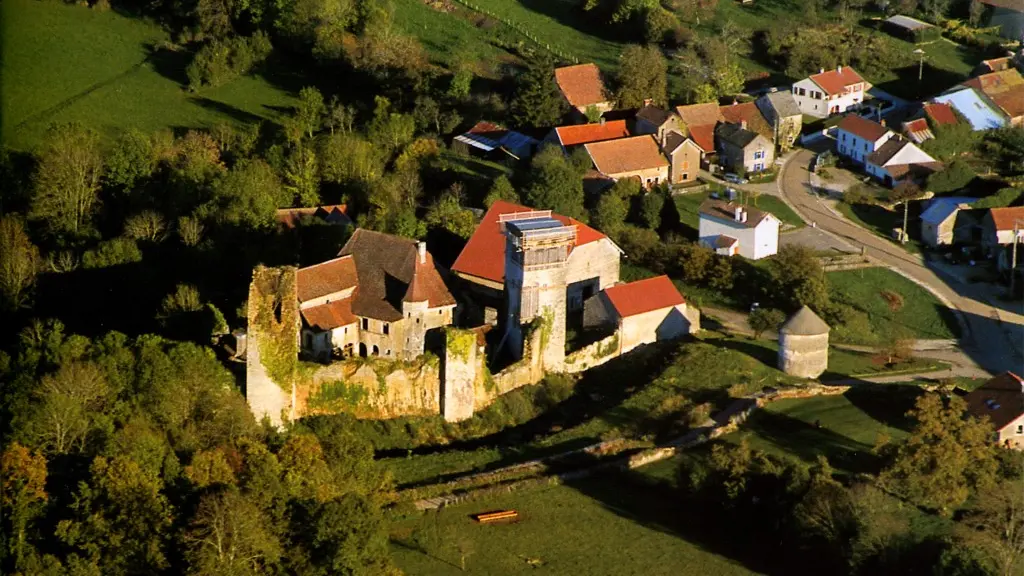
941, 208
783, 103
804, 323
674, 140
654, 115
735, 134
886, 151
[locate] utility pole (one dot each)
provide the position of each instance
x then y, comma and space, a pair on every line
1013, 258
920, 69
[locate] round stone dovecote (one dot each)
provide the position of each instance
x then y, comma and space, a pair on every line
803, 345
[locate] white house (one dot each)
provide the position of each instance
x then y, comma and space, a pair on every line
897, 159
730, 228
857, 138
642, 312
830, 92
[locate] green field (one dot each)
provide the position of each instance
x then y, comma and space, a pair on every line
601, 526
921, 315
108, 72
447, 37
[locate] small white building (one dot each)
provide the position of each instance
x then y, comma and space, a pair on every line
939, 220
730, 228
830, 92
857, 138
642, 312
897, 159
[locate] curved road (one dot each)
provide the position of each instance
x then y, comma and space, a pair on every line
992, 337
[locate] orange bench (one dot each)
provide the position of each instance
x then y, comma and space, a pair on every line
487, 517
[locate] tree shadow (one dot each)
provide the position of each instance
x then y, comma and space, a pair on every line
570, 15
170, 64
933, 81
885, 403
810, 440
228, 110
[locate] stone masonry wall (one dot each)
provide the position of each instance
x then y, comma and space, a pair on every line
593, 354
371, 388
459, 371
273, 344
803, 356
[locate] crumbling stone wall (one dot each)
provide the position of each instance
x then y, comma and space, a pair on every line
459, 371
593, 354
371, 388
273, 348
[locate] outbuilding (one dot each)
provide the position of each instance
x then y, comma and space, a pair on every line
803, 345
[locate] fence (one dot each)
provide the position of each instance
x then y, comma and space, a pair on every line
523, 30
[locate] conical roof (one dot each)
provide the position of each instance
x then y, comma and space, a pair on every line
804, 323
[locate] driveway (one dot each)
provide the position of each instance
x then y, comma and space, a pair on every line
993, 337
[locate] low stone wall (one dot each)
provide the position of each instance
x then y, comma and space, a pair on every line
593, 354
372, 388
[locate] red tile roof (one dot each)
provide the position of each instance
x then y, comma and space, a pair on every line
704, 136
333, 214
836, 81
326, 278
586, 133
996, 82
863, 128
749, 113
613, 157
940, 113
1001, 399
1012, 102
581, 84
484, 254
700, 114
1004, 218
329, 316
644, 296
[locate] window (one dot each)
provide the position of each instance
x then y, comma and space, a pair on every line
686, 165
1020, 429
308, 339
386, 327
759, 155
366, 323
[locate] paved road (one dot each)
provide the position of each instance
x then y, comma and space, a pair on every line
993, 337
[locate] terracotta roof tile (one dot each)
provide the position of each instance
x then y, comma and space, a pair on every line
581, 84
749, 113
1001, 399
918, 130
484, 254
836, 81
644, 296
1004, 218
326, 278
700, 114
1012, 102
626, 154
332, 214
704, 136
940, 113
585, 133
862, 127
329, 316
996, 82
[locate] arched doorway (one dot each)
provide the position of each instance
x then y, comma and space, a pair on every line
376, 351
362, 350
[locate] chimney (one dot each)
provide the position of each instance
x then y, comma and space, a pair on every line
648, 101
743, 216
743, 124
738, 214
839, 68
821, 70
882, 122
421, 249
601, 121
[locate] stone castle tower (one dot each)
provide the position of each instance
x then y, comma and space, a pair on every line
537, 248
803, 345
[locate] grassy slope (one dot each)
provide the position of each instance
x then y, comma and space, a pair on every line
96, 72
921, 313
600, 526
447, 37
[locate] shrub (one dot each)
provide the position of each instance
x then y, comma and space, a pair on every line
221, 61
893, 299
112, 253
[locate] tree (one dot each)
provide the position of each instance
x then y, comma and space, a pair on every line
68, 401
67, 180
23, 482
130, 161
249, 195
340, 116
555, 184
936, 9
764, 320
309, 114
610, 213
944, 458
643, 75
696, 260
448, 214
147, 225
501, 189
302, 177
650, 209
536, 100
19, 263
230, 535
799, 279
976, 12
390, 130
348, 536
994, 525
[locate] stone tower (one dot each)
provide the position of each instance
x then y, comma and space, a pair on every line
803, 345
537, 248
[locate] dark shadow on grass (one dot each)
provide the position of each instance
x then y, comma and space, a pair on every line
933, 81
885, 403
808, 441
228, 110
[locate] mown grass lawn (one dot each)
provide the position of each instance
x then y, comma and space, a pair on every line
921, 315
688, 206
599, 526
63, 63
448, 37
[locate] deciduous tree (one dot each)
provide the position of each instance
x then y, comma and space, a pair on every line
555, 185
67, 180
765, 320
642, 75
799, 279
19, 263
536, 101
23, 483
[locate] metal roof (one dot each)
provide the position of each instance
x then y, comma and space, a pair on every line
908, 22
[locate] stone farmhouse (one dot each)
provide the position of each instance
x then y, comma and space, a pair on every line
582, 87
633, 157
730, 229
1001, 402
900, 159
783, 114
830, 92
642, 312
683, 157
741, 149
379, 297
659, 122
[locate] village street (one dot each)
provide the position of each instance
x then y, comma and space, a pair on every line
994, 336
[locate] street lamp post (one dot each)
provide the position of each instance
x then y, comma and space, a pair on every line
920, 69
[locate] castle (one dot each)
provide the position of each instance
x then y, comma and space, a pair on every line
379, 321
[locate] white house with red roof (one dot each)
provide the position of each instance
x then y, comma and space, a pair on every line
830, 92
857, 138
642, 312
592, 264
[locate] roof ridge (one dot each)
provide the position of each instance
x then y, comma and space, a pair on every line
325, 262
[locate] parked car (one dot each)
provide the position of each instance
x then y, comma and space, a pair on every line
735, 179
